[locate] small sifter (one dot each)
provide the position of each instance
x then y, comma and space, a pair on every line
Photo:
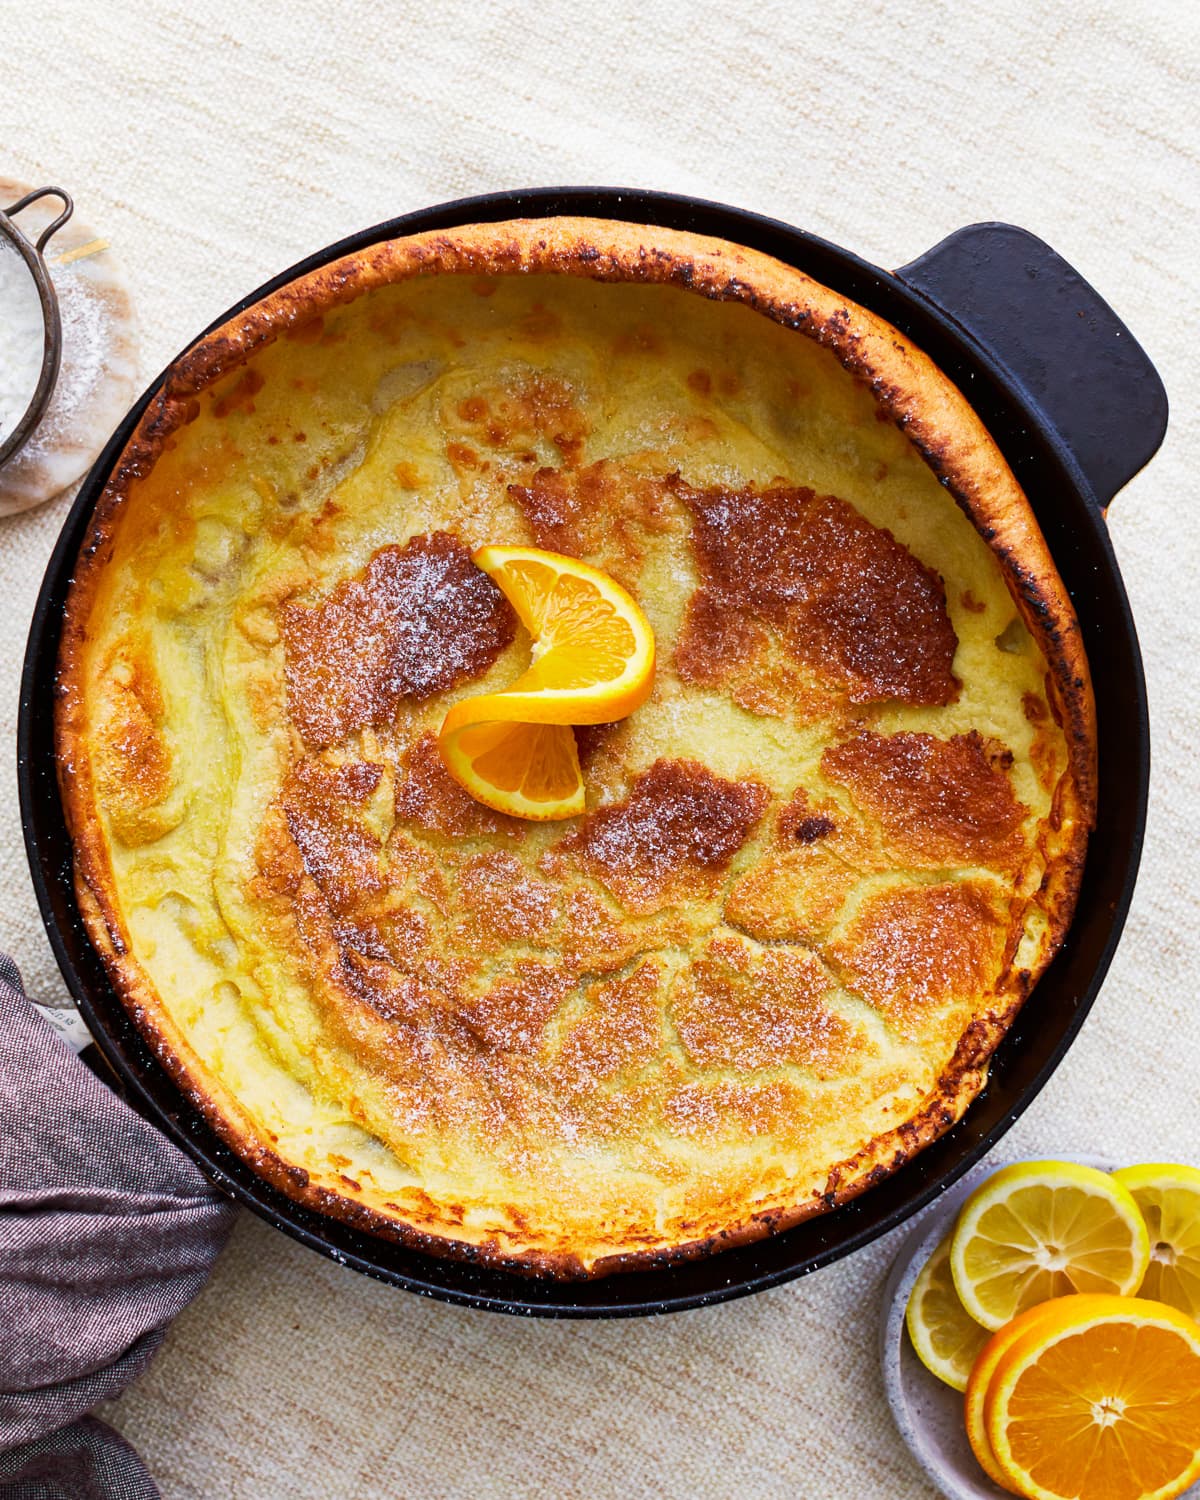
31, 253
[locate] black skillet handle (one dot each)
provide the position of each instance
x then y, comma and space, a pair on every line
1058, 339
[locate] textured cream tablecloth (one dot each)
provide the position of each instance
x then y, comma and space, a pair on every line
216, 144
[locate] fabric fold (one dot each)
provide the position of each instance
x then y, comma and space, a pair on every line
107, 1231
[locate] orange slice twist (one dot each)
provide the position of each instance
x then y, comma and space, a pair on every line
592, 663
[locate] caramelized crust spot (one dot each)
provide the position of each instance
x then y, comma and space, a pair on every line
845, 598
535, 406
680, 824
737, 1009
427, 795
132, 757
604, 511
800, 823
512, 1015
419, 619
504, 902
913, 949
323, 808
939, 802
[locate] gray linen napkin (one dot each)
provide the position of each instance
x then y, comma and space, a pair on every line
107, 1231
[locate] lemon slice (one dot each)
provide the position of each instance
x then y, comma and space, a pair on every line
946, 1338
1168, 1196
1043, 1229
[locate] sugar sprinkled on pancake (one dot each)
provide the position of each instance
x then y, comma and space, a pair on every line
820, 867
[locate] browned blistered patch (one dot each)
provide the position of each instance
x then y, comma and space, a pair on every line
794, 894
461, 456
512, 1015
715, 642
529, 407
620, 1029
1045, 749
323, 807
845, 598
393, 996
710, 1111
738, 1008
503, 902
419, 619
801, 821
970, 603
913, 949
593, 934
427, 795
132, 757
400, 936
799, 884
605, 512
679, 828
939, 802
264, 695
700, 381
804, 828
408, 476
240, 394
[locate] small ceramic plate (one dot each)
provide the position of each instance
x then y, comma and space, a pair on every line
928, 1412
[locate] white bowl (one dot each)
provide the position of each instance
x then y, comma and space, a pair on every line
929, 1413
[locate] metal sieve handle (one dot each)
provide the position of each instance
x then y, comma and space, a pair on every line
32, 253
52, 228
1057, 339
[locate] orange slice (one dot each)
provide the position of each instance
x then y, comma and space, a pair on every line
593, 649
527, 770
1098, 1399
978, 1382
592, 663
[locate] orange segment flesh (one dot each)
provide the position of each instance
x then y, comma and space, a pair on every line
592, 663
1099, 1399
528, 770
593, 651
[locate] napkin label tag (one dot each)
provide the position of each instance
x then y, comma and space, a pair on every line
68, 1023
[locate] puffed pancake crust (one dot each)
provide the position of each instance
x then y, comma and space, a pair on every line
820, 869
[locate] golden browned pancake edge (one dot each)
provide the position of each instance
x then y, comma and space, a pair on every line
909, 390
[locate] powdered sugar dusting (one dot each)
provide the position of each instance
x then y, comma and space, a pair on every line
420, 619
679, 818
85, 343
98, 373
22, 334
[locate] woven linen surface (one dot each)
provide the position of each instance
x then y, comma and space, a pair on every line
217, 144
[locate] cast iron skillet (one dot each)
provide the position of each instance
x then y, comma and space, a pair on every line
1076, 407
